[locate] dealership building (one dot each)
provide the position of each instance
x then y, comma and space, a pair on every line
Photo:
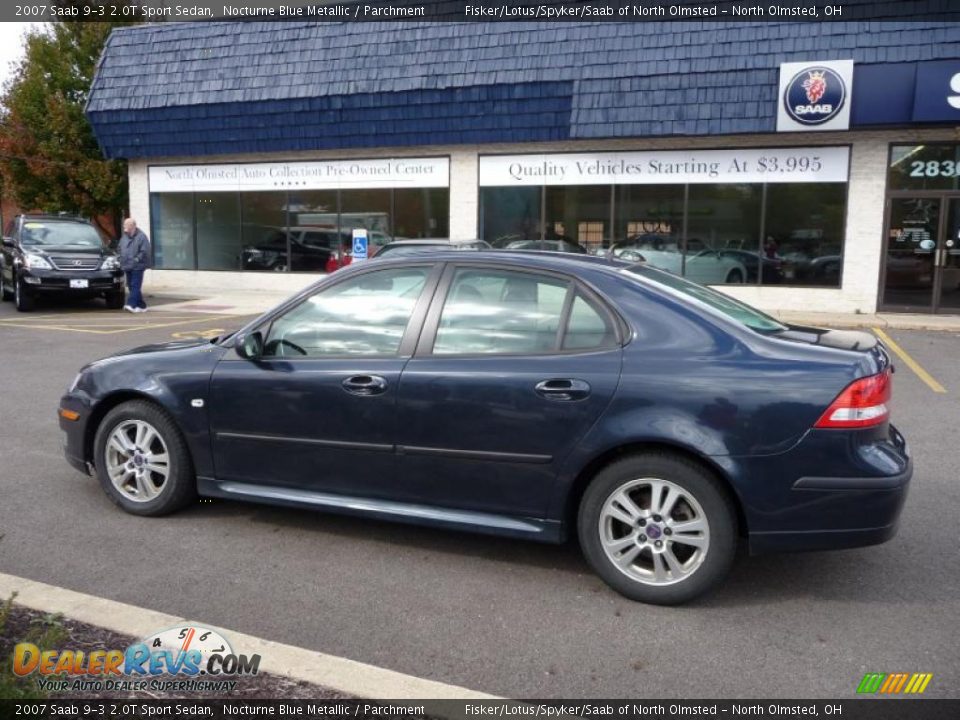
810, 166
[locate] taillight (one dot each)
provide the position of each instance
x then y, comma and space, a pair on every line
333, 262
863, 403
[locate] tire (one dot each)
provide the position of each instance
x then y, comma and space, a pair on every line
115, 300
24, 301
160, 495
696, 567
6, 293
734, 277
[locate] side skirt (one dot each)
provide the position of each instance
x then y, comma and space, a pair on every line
548, 531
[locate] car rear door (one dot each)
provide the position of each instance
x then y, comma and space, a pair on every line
318, 410
512, 369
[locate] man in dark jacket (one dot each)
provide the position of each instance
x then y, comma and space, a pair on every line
134, 250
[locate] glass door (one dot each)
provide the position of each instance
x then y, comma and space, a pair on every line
948, 260
912, 254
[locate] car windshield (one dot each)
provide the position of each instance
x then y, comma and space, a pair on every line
733, 309
59, 234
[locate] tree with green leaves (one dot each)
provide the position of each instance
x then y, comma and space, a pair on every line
49, 157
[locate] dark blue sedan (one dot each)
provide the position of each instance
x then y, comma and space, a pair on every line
522, 394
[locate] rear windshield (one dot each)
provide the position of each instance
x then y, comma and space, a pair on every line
733, 309
59, 234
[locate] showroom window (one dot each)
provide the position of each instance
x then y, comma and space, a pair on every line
296, 216
737, 216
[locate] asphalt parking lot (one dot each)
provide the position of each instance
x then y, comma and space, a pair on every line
506, 617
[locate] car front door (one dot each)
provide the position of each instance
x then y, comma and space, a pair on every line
511, 371
317, 411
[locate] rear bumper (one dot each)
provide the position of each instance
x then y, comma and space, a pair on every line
866, 500
833, 490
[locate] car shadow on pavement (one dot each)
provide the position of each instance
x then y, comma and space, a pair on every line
565, 557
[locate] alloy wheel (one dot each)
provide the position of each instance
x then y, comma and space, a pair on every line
137, 461
654, 531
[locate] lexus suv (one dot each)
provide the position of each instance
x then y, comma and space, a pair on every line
47, 254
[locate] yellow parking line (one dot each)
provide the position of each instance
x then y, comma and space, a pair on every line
910, 362
131, 328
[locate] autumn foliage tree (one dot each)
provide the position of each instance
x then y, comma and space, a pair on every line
49, 157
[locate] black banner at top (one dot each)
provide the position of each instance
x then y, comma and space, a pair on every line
638, 11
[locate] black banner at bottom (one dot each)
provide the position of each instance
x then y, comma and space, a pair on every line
859, 709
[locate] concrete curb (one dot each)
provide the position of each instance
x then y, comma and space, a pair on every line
336, 673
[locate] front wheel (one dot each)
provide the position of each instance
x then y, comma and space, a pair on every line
6, 292
142, 461
22, 298
115, 299
657, 528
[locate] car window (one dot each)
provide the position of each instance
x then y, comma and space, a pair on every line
733, 309
364, 315
59, 233
499, 311
588, 328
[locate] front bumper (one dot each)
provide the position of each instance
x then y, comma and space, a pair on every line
75, 432
833, 490
58, 281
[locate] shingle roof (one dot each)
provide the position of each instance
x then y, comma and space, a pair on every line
201, 88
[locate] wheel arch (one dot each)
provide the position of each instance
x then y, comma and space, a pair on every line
107, 404
579, 485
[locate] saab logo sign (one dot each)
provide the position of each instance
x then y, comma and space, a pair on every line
815, 96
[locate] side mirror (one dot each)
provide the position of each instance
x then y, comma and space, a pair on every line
250, 346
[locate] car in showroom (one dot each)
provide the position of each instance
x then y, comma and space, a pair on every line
526, 394
311, 249
57, 255
700, 263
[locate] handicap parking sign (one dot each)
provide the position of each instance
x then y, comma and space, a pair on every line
360, 244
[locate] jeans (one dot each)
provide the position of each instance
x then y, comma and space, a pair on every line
134, 283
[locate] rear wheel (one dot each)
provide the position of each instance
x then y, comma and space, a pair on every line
115, 300
657, 528
142, 461
21, 296
735, 277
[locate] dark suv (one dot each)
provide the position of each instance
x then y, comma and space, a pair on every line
57, 254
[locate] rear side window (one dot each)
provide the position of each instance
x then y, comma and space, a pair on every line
491, 312
588, 327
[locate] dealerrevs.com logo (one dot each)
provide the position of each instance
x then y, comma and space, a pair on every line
188, 658
815, 95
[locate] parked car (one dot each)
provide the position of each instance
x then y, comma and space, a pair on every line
422, 245
312, 249
755, 264
567, 246
524, 394
57, 254
700, 263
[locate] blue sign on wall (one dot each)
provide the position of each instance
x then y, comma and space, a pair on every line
937, 94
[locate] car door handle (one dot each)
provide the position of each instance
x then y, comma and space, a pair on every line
563, 389
365, 385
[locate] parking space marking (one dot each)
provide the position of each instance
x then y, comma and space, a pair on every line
910, 362
96, 329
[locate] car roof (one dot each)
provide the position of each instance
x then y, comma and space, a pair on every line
431, 241
541, 259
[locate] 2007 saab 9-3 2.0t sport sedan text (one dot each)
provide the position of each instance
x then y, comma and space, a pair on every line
521, 394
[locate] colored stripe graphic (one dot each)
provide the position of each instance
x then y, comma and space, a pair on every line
894, 683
